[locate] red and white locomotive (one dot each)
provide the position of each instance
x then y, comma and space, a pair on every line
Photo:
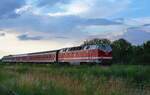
73, 55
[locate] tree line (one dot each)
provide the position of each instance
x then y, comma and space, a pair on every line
124, 52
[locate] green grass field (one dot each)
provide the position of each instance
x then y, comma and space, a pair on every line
74, 80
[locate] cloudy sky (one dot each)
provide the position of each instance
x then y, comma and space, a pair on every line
39, 25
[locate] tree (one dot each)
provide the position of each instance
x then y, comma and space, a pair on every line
122, 51
136, 56
146, 55
141, 54
96, 41
147, 47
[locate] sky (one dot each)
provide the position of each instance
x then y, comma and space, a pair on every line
41, 25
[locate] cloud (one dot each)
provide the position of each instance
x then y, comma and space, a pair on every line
136, 35
137, 21
74, 28
134, 30
100, 21
90, 8
103, 31
82, 8
41, 3
8, 7
26, 37
2, 34
48, 27
146, 25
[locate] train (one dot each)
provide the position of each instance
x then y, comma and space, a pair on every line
89, 54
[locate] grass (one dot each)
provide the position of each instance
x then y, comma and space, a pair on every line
74, 80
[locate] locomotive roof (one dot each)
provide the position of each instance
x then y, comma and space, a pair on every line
43, 52
104, 47
27, 54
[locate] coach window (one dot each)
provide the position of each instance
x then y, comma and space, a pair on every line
64, 50
77, 48
82, 48
61, 50
70, 49
86, 47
